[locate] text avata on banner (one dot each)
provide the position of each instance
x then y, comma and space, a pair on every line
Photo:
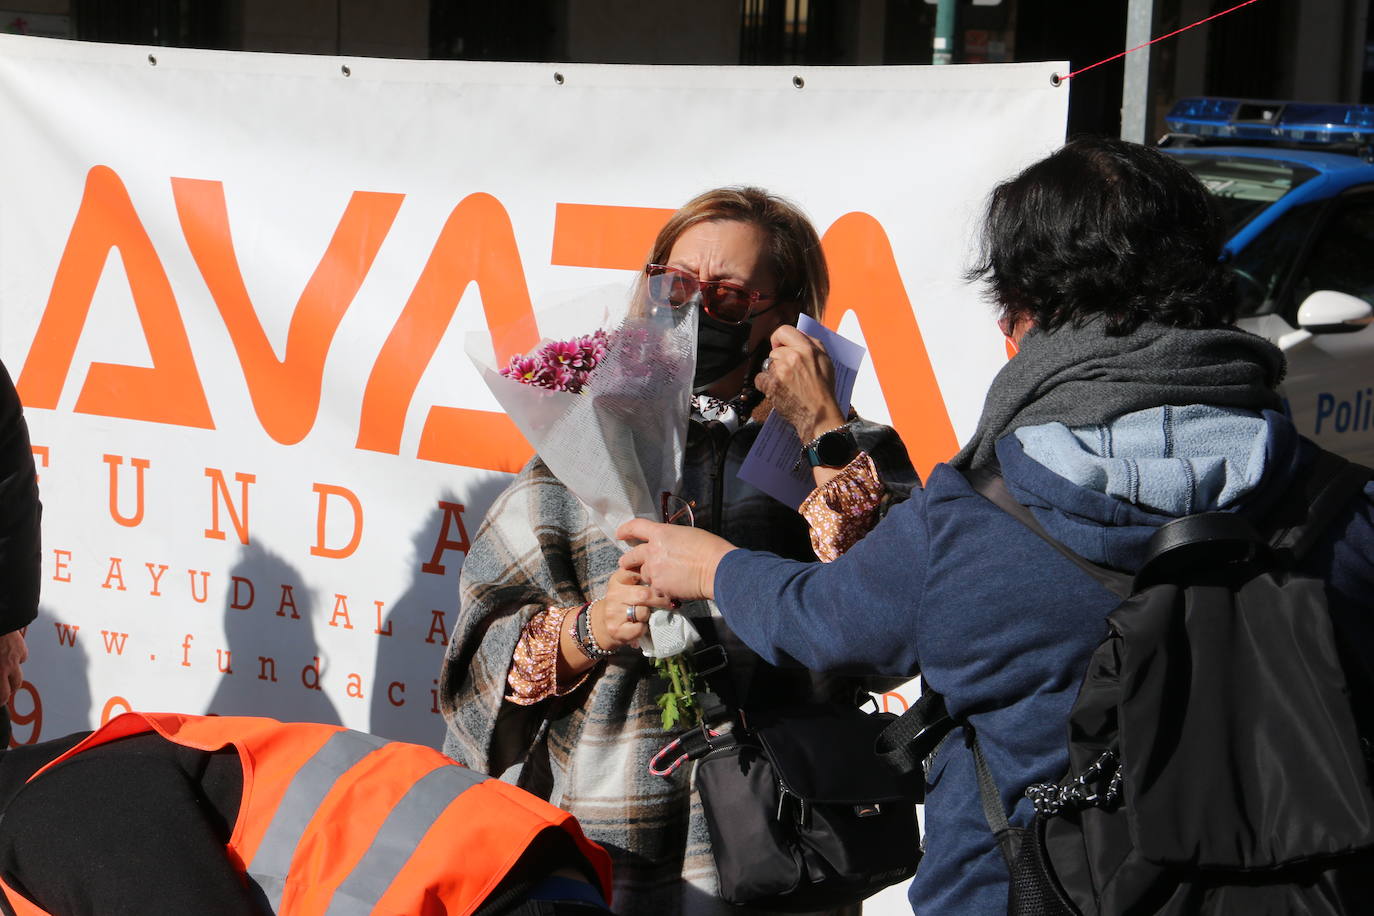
477, 245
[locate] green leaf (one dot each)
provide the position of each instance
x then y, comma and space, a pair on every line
677, 699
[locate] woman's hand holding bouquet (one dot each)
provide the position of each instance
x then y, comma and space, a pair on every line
620, 618
618, 613
608, 414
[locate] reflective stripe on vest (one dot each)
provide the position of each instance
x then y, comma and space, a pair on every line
407, 823
308, 788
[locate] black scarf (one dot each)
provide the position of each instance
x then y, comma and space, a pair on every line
1081, 376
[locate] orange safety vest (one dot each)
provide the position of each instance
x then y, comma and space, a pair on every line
335, 821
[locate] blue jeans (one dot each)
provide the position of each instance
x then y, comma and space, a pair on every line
556, 896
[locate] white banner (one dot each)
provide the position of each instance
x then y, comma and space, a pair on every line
234, 291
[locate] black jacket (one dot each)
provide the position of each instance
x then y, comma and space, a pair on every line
20, 513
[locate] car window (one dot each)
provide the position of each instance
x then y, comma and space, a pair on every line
1341, 256
1242, 187
1262, 268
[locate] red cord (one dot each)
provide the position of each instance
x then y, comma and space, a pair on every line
1153, 40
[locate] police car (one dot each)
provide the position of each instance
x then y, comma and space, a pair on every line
1295, 182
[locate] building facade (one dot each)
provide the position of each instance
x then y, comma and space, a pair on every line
1312, 50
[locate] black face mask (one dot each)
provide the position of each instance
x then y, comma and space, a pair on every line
721, 348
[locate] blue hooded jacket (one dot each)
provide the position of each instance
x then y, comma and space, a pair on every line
999, 622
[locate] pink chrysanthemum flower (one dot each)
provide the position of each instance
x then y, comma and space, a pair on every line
593, 348
561, 379
525, 369
565, 353
561, 365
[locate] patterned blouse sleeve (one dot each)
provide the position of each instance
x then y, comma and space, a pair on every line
534, 668
845, 509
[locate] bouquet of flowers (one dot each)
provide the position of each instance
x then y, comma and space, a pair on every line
607, 410
559, 365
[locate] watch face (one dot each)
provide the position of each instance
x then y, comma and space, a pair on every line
835, 449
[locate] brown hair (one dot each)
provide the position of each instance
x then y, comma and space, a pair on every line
794, 249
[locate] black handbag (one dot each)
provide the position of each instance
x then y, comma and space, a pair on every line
803, 813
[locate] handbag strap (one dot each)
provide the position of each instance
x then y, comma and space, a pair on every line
719, 703
720, 700
914, 735
1008, 837
918, 732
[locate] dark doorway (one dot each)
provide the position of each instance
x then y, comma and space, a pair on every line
910, 32
169, 23
792, 32
1242, 50
484, 30
1084, 33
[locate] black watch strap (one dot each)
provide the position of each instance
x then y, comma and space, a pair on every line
833, 449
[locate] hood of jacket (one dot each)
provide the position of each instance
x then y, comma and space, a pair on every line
1103, 489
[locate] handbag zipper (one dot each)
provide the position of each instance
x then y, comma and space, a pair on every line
803, 809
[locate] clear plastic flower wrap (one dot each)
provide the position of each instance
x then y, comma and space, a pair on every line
606, 405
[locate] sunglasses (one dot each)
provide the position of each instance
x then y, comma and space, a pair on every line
721, 299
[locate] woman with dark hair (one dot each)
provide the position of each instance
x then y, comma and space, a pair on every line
1130, 403
540, 684
1105, 230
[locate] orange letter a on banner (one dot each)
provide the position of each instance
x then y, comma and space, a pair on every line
477, 244
285, 392
864, 280
167, 392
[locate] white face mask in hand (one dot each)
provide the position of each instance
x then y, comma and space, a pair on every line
669, 633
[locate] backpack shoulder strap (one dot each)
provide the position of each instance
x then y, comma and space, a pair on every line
987, 480
1326, 491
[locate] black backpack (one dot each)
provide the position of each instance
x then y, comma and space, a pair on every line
1217, 758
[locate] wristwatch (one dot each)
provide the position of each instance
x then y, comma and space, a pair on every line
833, 449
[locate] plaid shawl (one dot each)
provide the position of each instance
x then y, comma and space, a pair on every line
587, 752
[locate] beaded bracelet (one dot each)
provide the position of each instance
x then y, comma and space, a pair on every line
589, 643
584, 638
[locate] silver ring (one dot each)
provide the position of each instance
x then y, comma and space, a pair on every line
632, 614
767, 361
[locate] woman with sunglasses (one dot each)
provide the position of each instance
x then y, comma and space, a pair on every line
540, 684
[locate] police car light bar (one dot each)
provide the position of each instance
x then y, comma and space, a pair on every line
1274, 122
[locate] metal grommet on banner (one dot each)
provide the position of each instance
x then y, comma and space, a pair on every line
152, 61
1056, 80
345, 70
558, 78
798, 82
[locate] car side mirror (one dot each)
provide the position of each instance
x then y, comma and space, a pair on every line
1329, 312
